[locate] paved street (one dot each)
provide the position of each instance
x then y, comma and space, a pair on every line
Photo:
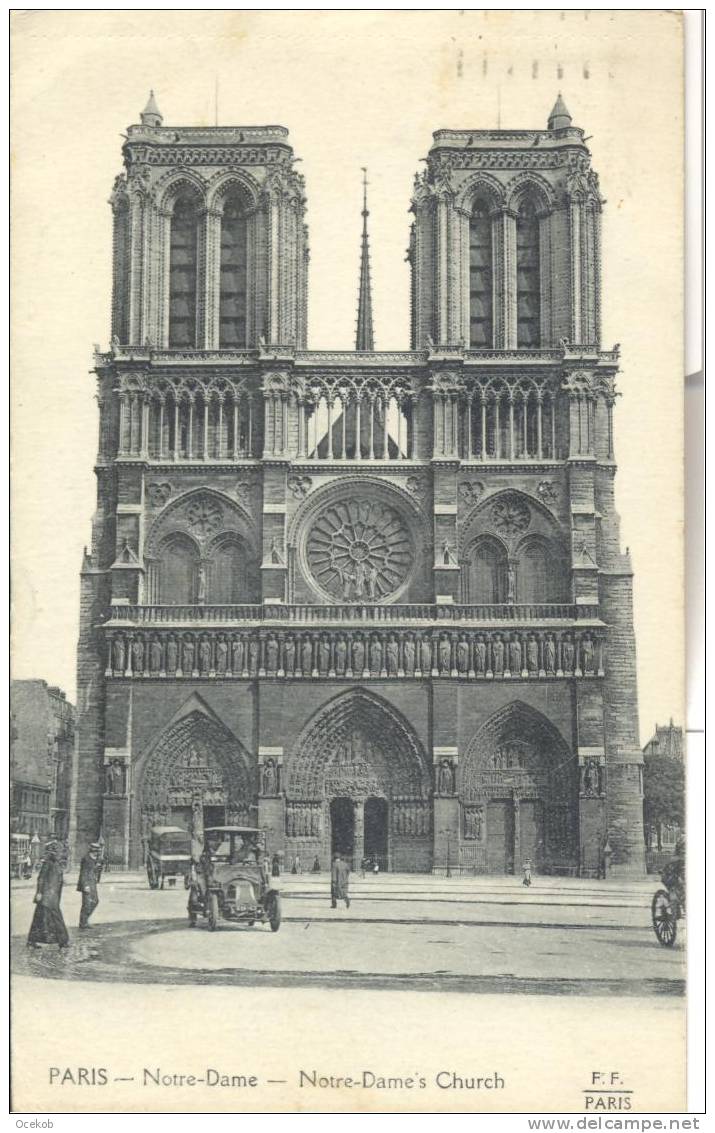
490, 934
542, 985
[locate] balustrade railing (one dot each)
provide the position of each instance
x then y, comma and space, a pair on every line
353, 613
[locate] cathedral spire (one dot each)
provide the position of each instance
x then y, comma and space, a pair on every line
364, 337
151, 115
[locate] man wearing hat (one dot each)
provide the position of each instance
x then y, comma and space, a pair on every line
87, 884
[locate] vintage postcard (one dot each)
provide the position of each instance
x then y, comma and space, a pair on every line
347, 705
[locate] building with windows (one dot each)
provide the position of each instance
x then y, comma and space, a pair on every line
372, 601
41, 758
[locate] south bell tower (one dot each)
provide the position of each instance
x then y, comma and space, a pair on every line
373, 601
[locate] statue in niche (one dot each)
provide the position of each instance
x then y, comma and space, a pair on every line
155, 655
510, 583
204, 655
341, 653
323, 656
567, 654
254, 650
289, 655
462, 655
119, 657
532, 655
445, 654
590, 778
480, 655
201, 584
221, 655
376, 655
307, 656
272, 654
409, 652
445, 781
270, 778
358, 652
448, 556
193, 756
498, 654
276, 553
138, 655
426, 655
172, 655
550, 654
393, 656
187, 654
237, 655
515, 655
115, 778
587, 655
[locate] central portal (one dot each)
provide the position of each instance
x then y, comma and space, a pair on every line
342, 828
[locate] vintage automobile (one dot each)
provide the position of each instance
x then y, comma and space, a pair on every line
168, 855
231, 881
20, 856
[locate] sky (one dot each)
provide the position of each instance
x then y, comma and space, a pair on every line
354, 89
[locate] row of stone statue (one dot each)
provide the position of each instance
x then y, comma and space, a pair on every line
412, 818
357, 654
302, 820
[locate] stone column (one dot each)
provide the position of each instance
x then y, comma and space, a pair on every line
358, 833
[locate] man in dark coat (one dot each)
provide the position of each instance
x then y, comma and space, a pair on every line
339, 881
48, 924
87, 884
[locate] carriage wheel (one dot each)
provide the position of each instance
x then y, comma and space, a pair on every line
665, 922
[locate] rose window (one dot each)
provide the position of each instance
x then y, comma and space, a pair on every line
204, 517
511, 515
359, 550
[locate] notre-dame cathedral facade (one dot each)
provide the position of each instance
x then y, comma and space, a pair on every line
369, 601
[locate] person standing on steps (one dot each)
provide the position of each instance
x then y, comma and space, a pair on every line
87, 883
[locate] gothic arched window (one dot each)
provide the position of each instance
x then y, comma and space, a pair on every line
528, 285
178, 571
480, 276
228, 572
182, 273
539, 573
488, 572
232, 311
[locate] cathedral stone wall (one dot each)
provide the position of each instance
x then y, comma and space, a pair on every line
372, 602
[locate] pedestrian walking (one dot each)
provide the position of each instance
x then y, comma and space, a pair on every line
339, 882
87, 883
296, 867
48, 924
275, 866
316, 864
527, 872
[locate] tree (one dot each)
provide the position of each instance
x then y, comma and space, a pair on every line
663, 793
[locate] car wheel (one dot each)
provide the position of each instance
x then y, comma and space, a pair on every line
274, 913
213, 912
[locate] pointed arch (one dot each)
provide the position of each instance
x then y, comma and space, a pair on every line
518, 749
195, 760
357, 744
